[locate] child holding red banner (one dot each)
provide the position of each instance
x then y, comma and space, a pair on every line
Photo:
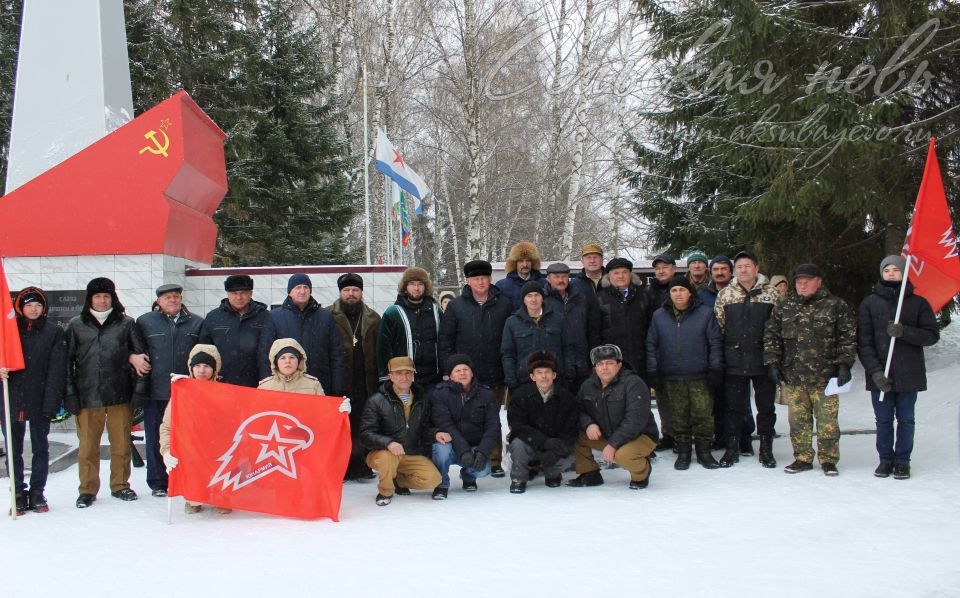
36, 394
204, 364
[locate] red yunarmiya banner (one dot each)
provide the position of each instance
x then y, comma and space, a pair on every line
258, 450
11, 352
935, 267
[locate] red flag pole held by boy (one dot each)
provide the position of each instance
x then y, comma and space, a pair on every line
930, 247
11, 359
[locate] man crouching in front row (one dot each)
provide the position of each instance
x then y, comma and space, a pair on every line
543, 419
397, 429
615, 419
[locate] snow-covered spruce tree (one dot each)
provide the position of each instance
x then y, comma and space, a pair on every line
795, 129
257, 68
10, 11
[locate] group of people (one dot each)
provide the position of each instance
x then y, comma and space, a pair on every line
574, 357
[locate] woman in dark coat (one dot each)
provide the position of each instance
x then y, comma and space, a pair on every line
894, 396
36, 394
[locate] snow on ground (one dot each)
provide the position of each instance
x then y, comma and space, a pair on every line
734, 532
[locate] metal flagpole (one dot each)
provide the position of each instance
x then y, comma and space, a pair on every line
8, 436
387, 196
896, 318
366, 164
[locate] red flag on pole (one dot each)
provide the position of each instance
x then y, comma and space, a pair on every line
11, 352
935, 268
258, 450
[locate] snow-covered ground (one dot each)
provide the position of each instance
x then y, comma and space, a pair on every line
734, 532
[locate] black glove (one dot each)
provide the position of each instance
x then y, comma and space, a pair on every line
468, 460
479, 460
774, 373
652, 381
72, 404
895, 329
881, 382
714, 378
556, 446
843, 374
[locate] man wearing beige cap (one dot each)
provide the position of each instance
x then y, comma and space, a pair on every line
592, 258
397, 429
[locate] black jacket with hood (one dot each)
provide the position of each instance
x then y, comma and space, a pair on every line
37, 390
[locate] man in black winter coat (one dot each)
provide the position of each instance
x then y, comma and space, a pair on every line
100, 384
894, 396
170, 333
615, 418
473, 325
543, 419
625, 312
36, 394
242, 331
581, 318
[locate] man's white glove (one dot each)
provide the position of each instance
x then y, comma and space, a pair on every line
170, 461
175, 377
345, 406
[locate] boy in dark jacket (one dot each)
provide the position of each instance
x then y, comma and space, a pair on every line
396, 428
467, 412
684, 349
36, 393
894, 396
543, 420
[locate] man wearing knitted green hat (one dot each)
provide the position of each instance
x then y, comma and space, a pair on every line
697, 273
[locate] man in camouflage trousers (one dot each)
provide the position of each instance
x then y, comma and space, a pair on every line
810, 338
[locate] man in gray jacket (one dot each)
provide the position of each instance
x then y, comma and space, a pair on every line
616, 420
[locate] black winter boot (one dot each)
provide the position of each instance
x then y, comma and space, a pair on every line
683, 455
766, 451
732, 454
704, 456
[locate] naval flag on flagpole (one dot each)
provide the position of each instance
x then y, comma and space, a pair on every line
392, 164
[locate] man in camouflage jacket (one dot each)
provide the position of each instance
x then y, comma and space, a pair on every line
809, 339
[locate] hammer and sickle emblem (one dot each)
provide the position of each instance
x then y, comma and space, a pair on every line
158, 148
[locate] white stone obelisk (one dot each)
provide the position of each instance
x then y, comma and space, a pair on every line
73, 83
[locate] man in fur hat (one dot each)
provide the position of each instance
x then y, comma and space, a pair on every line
523, 266
100, 381
411, 327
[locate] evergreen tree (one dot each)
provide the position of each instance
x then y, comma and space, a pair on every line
10, 12
257, 68
760, 144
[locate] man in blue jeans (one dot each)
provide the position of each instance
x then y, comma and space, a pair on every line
466, 412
